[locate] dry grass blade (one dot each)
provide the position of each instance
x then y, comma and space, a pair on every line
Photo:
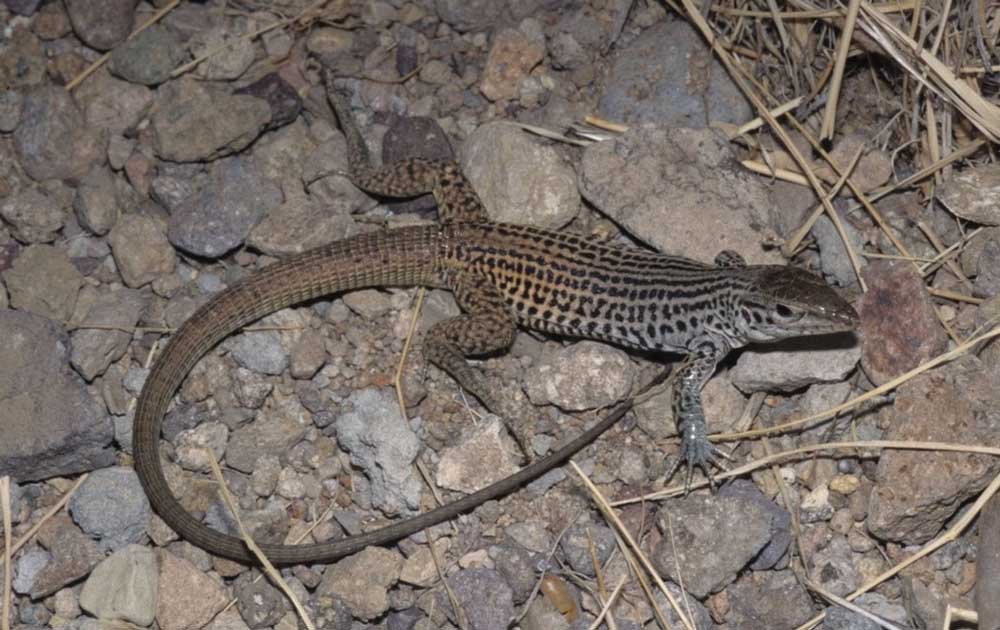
759, 122
5, 505
398, 380
23, 540
272, 573
931, 72
552, 135
840, 601
610, 515
830, 114
607, 605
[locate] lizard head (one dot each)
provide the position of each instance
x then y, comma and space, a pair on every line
782, 302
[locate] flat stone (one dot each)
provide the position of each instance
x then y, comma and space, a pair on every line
74, 554
363, 580
149, 57
481, 458
513, 53
195, 122
188, 599
112, 507
43, 281
583, 376
52, 425
95, 349
233, 53
973, 194
34, 216
790, 365
520, 180
123, 586
141, 250
53, 140
101, 24
714, 204
96, 201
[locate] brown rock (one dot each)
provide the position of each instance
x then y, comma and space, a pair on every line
141, 250
44, 281
512, 56
188, 599
74, 554
917, 492
898, 322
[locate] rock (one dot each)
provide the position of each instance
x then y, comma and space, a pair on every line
112, 507
772, 599
714, 204
973, 194
723, 405
27, 567
261, 605
713, 539
382, 444
43, 281
141, 250
468, 15
101, 24
308, 355
53, 140
775, 552
988, 269
96, 202
363, 581
482, 591
52, 23
419, 568
194, 444
23, 64
583, 376
195, 122
519, 179
832, 567
642, 89
233, 53
790, 365
874, 168
220, 217
299, 224
576, 545
898, 313
94, 349
273, 432
260, 351
513, 53
34, 216
123, 586
149, 57
415, 137
284, 101
918, 492
481, 458
188, 599
833, 256
10, 110
370, 304
230, 620
73, 555
22, 7
52, 425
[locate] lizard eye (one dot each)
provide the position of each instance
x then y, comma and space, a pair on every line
785, 313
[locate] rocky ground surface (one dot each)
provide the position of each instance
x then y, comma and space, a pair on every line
132, 198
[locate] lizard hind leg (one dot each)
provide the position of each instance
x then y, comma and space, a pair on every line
486, 326
456, 198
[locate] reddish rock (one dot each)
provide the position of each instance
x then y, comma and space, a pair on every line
898, 323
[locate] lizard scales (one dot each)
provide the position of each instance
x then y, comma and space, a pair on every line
502, 275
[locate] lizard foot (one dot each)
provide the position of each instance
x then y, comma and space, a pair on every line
698, 452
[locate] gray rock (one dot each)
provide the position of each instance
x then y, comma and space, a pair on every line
260, 604
195, 122
260, 352
112, 507
43, 281
141, 249
28, 566
101, 24
34, 216
266, 435
124, 587
585, 375
988, 269
517, 566
96, 202
781, 523
23, 7
714, 203
838, 618
281, 96
193, 444
833, 256
52, 425
233, 53
641, 89
709, 540
483, 591
796, 363
768, 599
695, 610
94, 349
220, 217
513, 53
53, 140
468, 15
481, 458
832, 567
149, 57
300, 223
113, 104
520, 180
575, 545
382, 444
10, 110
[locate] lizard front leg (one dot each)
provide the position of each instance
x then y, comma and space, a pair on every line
696, 450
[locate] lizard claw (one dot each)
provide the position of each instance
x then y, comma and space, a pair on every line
699, 454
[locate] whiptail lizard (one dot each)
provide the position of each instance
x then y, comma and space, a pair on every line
503, 276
